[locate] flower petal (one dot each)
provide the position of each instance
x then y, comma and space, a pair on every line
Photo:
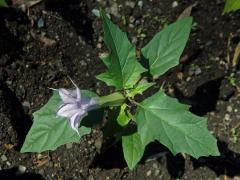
75, 120
68, 110
66, 96
77, 90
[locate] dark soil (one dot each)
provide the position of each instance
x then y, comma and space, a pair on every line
33, 58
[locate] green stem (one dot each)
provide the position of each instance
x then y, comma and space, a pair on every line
114, 99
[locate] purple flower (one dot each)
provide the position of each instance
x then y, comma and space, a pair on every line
74, 106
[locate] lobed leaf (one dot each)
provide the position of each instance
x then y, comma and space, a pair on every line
48, 131
123, 68
164, 50
163, 118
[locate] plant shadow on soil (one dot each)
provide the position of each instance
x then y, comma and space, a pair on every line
13, 175
20, 122
12, 47
75, 13
204, 100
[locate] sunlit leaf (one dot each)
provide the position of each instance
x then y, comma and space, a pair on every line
164, 50
231, 5
163, 118
123, 68
49, 131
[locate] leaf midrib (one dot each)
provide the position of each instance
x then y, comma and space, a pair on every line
115, 48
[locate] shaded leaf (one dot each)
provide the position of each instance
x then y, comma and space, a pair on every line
163, 118
164, 50
133, 149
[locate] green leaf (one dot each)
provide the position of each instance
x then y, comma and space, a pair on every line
231, 5
123, 68
133, 149
163, 118
48, 131
164, 50
142, 86
3, 3
123, 117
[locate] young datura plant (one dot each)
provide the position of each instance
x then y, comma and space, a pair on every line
70, 114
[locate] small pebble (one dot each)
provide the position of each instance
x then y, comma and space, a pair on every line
229, 109
71, 34
155, 166
140, 4
96, 12
130, 4
114, 9
156, 173
41, 172
21, 170
3, 158
90, 177
134, 40
26, 104
83, 63
198, 71
69, 145
131, 25
227, 117
40, 23
8, 163
149, 173
99, 45
188, 79
174, 4
131, 19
